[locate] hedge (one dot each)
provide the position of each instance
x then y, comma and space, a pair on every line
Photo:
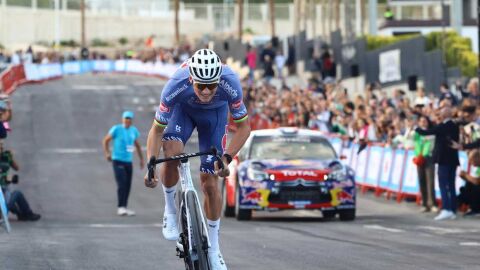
458, 50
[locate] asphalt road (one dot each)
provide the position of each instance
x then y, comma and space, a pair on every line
57, 132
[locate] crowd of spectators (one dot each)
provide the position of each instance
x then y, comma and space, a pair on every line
376, 117
158, 54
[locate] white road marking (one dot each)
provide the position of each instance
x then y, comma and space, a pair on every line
71, 150
135, 100
92, 87
149, 83
123, 226
470, 244
140, 109
441, 230
382, 228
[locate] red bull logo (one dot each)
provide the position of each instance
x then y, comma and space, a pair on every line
251, 197
344, 196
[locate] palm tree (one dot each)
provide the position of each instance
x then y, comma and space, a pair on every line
177, 30
240, 19
271, 4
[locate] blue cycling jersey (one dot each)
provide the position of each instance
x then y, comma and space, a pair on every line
181, 111
179, 90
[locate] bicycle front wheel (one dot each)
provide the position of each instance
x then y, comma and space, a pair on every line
199, 254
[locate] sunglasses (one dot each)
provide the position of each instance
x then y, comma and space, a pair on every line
210, 86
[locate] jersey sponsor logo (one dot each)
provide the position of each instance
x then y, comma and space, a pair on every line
228, 88
178, 128
176, 92
237, 105
163, 108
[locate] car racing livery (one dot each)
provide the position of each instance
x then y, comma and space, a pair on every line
289, 168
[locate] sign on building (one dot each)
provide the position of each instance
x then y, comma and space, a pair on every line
390, 68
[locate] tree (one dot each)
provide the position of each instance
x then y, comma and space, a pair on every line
271, 4
240, 19
177, 30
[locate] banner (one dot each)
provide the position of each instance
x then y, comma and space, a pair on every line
374, 165
387, 165
390, 68
11, 78
397, 170
362, 165
410, 184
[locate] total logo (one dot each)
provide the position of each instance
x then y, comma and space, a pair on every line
299, 173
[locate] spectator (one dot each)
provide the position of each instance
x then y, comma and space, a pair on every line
279, 63
446, 94
251, 60
124, 137
447, 160
422, 99
470, 193
16, 201
425, 165
5, 115
473, 92
16, 58
388, 14
291, 59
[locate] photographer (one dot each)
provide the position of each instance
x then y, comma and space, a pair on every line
16, 202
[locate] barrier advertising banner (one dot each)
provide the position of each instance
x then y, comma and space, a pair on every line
362, 165
375, 161
397, 171
387, 165
410, 181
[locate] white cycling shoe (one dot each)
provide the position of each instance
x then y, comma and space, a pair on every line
216, 260
170, 230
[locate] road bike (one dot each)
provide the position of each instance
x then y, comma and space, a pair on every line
193, 243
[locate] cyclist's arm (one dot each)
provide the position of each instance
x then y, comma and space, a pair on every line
154, 140
239, 138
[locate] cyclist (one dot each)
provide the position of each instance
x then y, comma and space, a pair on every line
198, 95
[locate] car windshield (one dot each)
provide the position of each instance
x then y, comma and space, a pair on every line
291, 148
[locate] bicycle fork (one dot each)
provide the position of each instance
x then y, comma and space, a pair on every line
187, 187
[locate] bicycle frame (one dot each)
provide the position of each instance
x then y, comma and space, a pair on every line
187, 186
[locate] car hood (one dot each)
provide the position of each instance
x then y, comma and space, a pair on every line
286, 170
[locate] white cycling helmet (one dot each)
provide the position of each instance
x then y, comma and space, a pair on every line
205, 66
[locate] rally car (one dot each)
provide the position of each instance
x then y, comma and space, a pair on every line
289, 168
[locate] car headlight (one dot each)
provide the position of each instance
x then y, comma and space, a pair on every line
256, 174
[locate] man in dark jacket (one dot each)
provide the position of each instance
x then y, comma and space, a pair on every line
447, 159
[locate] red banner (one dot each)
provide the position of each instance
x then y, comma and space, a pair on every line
13, 77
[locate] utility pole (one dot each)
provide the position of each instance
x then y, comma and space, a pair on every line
177, 30
271, 6
82, 23
57, 24
478, 40
240, 19
372, 16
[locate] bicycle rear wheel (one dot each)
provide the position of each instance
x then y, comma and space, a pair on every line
197, 259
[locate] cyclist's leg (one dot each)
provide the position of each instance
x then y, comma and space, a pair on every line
212, 132
176, 134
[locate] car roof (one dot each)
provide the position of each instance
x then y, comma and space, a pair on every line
287, 131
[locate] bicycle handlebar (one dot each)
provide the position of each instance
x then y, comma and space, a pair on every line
153, 161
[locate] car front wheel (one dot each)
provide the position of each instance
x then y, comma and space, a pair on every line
242, 214
347, 214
